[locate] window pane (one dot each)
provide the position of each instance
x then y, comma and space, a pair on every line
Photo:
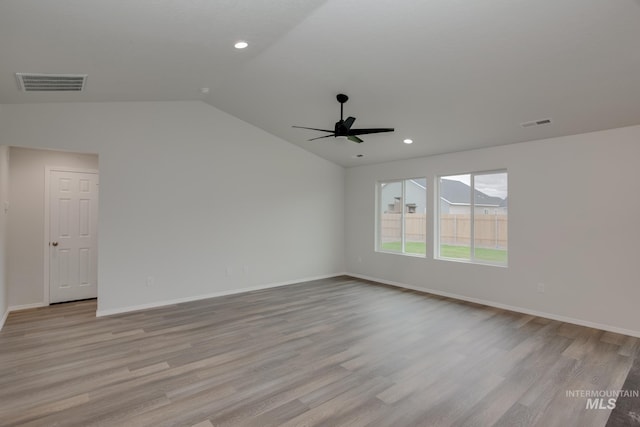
415, 218
391, 206
490, 219
455, 216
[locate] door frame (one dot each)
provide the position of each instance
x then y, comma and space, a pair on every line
47, 220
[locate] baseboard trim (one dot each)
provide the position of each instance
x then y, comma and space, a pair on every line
4, 318
112, 311
26, 306
522, 310
18, 308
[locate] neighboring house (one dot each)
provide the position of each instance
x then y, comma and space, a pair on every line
391, 196
454, 196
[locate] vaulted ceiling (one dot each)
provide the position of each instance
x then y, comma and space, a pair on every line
450, 74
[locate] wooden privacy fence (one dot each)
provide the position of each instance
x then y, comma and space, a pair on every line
415, 227
455, 229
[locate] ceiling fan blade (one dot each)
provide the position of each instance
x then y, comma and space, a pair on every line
349, 122
343, 129
321, 130
366, 131
320, 137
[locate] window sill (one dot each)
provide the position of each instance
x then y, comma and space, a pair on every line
472, 262
422, 256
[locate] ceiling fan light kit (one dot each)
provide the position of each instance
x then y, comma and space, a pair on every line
343, 128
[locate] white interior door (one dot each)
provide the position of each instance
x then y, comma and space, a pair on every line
73, 244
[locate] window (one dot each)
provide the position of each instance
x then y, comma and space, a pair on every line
473, 217
402, 216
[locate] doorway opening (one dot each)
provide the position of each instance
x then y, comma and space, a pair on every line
53, 227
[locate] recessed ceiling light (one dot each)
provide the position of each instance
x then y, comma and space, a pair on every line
408, 141
204, 90
241, 45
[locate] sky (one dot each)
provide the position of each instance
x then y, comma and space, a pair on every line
494, 184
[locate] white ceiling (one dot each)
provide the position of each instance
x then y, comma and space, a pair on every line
450, 74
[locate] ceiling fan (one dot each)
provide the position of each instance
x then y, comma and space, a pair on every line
342, 128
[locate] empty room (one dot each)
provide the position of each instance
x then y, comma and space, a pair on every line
319, 213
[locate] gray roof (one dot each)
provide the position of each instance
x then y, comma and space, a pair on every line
456, 192
421, 182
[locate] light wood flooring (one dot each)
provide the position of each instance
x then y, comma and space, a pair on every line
335, 352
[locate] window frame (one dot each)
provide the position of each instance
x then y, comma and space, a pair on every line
378, 218
472, 256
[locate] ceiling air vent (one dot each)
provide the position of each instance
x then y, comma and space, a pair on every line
536, 123
51, 82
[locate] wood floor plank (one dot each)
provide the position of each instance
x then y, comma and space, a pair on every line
332, 352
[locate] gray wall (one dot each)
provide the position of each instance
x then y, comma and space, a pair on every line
4, 198
169, 173
585, 253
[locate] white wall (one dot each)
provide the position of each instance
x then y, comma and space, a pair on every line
26, 221
581, 193
4, 198
190, 196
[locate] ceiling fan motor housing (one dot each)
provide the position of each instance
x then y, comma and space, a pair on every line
343, 128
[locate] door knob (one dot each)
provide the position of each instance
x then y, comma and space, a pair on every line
54, 243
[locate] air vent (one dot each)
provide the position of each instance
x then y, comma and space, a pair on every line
51, 82
536, 123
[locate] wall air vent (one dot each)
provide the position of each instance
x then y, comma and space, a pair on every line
536, 123
51, 82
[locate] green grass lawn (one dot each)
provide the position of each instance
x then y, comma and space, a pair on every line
409, 247
449, 251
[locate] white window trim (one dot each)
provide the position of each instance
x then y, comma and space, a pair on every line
436, 235
378, 218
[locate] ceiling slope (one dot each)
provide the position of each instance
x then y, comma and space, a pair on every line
451, 75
